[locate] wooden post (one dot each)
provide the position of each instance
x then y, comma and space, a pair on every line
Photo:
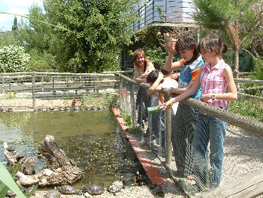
3, 82
133, 106
168, 133
33, 90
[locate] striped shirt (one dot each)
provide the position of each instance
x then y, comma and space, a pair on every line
214, 82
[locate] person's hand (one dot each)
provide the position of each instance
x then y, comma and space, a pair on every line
206, 97
174, 76
160, 76
168, 104
170, 46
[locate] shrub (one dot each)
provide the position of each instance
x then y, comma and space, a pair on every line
13, 59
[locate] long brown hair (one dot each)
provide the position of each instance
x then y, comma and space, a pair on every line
212, 42
140, 52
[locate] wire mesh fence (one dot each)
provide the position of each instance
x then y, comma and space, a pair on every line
171, 139
29, 90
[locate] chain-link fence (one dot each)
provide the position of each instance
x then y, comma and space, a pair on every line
243, 146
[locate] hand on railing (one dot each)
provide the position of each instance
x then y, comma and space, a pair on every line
168, 104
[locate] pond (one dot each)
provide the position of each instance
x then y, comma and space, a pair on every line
91, 138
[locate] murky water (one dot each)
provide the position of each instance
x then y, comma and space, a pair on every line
91, 138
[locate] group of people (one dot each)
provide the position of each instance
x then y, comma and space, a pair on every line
204, 76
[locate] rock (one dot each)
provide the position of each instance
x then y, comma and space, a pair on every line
28, 166
27, 180
93, 189
76, 108
115, 187
10, 193
86, 194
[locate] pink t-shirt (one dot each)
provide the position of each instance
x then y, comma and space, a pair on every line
214, 82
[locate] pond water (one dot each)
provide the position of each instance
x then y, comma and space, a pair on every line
91, 138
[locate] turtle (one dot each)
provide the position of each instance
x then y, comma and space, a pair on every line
52, 194
115, 187
93, 189
67, 190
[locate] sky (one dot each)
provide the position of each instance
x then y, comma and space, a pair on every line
20, 7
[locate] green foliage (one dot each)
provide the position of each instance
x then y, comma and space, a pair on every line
13, 59
246, 63
96, 31
7, 182
8, 38
127, 119
247, 108
41, 62
258, 68
152, 40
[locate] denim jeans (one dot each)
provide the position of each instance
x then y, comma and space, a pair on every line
183, 128
142, 102
208, 129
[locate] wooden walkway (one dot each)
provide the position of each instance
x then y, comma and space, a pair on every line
249, 186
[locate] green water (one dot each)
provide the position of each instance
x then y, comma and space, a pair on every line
91, 138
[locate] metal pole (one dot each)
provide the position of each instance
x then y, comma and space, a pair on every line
33, 90
166, 4
152, 11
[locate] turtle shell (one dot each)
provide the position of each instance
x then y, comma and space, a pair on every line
93, 189
67, 190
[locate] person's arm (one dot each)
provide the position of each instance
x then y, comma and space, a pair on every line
152, 90
170, 47
143, 77
139, 78
232, 90
189, 92
194, 77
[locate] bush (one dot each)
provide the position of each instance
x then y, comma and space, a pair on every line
247, 108
42, 62
13, 59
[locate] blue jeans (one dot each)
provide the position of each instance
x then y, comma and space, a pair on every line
158, 127
208, 129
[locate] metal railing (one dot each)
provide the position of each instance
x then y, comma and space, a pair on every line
165, 13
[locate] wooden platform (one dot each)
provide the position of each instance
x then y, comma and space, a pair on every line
248, 186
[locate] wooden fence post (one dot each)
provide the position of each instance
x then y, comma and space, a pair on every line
33, 90
168, 133
133, 106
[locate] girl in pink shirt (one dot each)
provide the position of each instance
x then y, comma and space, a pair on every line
214, 77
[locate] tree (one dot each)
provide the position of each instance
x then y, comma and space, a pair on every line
14, 27
89, 34
236, 18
